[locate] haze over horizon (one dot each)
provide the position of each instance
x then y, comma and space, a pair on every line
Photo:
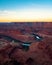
25, 10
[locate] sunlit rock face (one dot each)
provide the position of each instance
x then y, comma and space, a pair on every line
26, 48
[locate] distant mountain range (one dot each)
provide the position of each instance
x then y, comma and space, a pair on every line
27, 27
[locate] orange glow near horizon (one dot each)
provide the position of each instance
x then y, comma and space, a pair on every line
26, 16
26, 20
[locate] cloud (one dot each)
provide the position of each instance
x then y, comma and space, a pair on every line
6, 13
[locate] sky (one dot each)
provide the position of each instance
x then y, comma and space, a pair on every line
25, 10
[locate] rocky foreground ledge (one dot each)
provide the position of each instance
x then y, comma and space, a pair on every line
39, 52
